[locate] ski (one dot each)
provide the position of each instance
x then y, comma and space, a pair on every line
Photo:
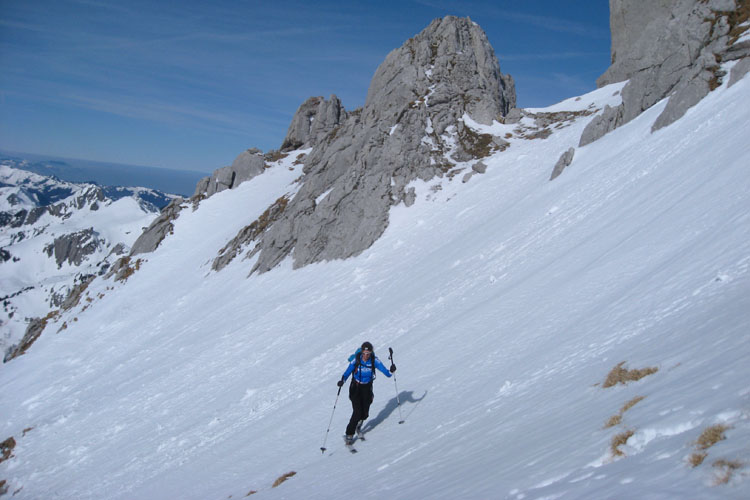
350, 445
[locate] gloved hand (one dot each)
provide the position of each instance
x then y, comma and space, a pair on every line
393, 368
340, 382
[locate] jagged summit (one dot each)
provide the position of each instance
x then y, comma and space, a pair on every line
411, 127
449, 60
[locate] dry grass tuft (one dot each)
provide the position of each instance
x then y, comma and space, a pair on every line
619, 440
710, 436
283, 478
620, 375
617, 419
725, 469
632, 403
697, 458
6, 449
251, 492
613, 421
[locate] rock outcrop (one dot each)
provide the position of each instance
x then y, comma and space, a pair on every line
562, 163
411, 127
669, 48
73, 248
313, 121
247, 165
155, 233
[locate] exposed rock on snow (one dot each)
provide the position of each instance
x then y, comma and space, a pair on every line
410, 128
246, 166
668, 48
155, 233
73, 247
565, 160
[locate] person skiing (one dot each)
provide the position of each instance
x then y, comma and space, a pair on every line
362, 368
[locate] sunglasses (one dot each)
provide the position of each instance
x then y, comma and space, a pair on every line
366, 350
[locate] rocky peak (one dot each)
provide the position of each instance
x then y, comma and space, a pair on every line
411, 127
449, 60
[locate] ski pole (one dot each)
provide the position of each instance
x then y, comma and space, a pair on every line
398, 401
323, 448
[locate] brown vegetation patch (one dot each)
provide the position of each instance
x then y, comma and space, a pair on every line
6, 449
619, 440
538, 134
274, 156
736, 18
620, 375
283, 478
725, 469
128, 270
617, 419
710, 436
697, 458
613, 421
300, 159
632, 403
476, 144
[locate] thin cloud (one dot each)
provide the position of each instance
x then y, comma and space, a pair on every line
557, 24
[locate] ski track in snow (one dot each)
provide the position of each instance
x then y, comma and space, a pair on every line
507, 300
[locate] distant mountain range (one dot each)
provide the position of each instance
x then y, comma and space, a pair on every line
180, 182
55, 234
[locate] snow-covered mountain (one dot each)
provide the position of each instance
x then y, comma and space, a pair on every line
581, 337
55, 235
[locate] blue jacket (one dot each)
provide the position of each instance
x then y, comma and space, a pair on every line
363, 373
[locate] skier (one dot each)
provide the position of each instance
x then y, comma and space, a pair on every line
362, 368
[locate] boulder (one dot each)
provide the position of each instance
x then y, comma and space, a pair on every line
565, 160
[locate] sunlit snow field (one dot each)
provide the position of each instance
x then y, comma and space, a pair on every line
507, 300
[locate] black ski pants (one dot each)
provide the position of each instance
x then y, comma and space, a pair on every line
361, 396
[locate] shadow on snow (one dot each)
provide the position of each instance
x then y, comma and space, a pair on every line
404, 397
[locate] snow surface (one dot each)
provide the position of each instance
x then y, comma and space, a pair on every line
506, 299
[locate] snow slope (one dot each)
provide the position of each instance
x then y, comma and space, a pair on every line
31, 279
507, 300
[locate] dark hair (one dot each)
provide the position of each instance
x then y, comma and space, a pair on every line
367, 345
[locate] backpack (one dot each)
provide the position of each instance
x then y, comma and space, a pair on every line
357, 355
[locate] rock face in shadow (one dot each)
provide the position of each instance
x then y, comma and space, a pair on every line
669, 48
411, 127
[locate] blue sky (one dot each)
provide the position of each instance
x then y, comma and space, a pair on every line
192, 84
